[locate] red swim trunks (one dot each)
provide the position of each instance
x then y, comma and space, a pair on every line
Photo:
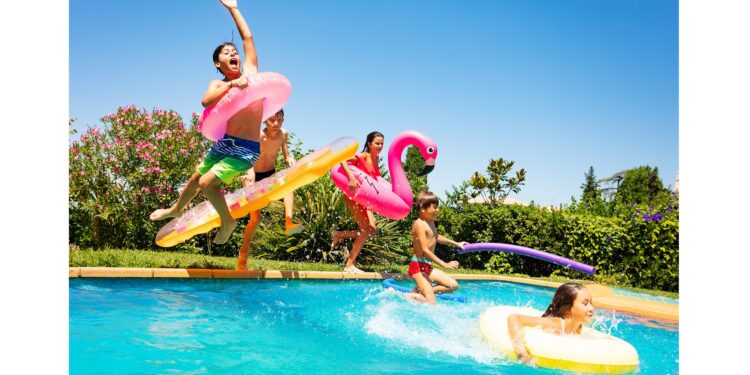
420, 265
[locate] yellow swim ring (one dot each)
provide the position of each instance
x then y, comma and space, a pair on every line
590, 352
203, 217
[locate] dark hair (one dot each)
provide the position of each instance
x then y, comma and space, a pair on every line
563, 300
425, 199
370, 138
280, 112
218, 49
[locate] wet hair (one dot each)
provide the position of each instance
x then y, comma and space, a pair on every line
425, 199
563, 300
217, 52
371, 137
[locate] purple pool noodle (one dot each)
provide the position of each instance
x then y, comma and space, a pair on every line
520, 250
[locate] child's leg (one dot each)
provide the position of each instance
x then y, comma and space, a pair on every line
366, 222
425, 288
338, 235
446, 284
209, 184
250, 228
290, 227
188, 193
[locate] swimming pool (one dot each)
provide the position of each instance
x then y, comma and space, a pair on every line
308, 326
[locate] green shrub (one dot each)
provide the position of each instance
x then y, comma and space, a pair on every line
119, 174
635, 251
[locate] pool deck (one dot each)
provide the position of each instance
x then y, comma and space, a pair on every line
603, 296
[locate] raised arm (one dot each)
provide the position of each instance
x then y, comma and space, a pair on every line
250, 66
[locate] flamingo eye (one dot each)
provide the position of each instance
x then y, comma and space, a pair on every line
430, 150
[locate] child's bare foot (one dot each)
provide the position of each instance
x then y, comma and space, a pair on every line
163, 213
241, 267
292, 228
352, 270
225, 231
242, 263
336, 239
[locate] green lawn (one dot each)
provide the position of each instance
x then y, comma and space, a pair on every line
168, 259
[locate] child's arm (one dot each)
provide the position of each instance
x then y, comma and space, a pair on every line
516, 323
250, 66
420, 239
353, 183
217, 88
446, 240
288, 158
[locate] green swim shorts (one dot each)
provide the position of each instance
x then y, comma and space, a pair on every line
230, 157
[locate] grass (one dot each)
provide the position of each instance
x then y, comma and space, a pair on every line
168, 259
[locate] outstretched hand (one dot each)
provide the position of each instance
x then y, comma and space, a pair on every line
229, 3
462, 244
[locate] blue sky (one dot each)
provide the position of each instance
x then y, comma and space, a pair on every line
557, 86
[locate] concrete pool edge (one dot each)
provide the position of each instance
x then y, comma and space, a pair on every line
604, 297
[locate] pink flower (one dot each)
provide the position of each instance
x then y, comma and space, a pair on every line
117, 169
169, 189
83, 173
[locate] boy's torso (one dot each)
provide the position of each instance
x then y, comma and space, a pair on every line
246, 123
270, 144
430, 232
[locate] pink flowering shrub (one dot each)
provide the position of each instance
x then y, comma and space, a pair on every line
137, 162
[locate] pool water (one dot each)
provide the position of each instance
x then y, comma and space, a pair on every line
197, 326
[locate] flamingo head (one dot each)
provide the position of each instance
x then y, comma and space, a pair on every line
429, 151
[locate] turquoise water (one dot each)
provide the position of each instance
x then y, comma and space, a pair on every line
197, 326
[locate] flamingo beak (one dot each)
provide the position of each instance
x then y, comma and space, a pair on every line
428, 167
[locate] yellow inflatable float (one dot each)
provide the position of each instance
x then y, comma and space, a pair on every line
202, 218
590, 352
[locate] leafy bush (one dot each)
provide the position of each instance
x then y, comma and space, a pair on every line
119, 174
641, 251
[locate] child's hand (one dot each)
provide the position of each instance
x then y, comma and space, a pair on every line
523, 355
290, 161
229, 3
353, 184
239, 82
452, 265
461, 244
247, 179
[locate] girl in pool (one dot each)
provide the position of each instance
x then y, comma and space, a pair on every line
570, 308
367, 161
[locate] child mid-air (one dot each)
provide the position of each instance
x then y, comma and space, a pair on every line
273, 139
424, 237
570, 308
238, 150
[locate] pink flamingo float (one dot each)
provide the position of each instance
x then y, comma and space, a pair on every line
377, 194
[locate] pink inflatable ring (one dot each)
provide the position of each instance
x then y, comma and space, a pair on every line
273, 87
